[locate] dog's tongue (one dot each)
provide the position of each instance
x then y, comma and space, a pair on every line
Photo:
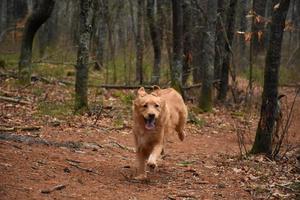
150, 124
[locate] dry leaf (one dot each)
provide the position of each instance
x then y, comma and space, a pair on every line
248, 36
276, 6
259, 34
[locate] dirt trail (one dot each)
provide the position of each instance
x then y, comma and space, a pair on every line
205, 166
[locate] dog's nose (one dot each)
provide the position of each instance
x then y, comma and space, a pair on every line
151, 116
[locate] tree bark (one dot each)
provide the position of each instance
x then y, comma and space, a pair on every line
269, 107
187, 41
156, 36
198, 24
220, 40
243, 28
81, 89
228, 56
41, 12
176, 71
140, 42
209, 56
99, 33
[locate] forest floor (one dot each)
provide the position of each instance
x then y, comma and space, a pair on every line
92, 156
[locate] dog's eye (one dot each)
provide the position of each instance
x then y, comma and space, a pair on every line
145, 105
156, 105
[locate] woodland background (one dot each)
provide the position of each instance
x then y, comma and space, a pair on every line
68, 74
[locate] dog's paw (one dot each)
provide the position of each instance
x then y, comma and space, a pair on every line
151, 165
181, 136
141, 177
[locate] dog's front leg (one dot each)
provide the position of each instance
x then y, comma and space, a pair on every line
156, 152
141, 158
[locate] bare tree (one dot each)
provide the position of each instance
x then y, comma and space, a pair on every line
155, 29
187, 40
269, 108
81, 89
209, 38
220, 40
228, 50
41, 12
176, 71
209, 56
140, 41
243, 28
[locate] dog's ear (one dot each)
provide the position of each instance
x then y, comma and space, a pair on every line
155, 87
156, 90
141, 92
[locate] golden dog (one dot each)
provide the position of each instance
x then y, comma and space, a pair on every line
155, 115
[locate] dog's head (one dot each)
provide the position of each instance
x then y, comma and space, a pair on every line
149, 106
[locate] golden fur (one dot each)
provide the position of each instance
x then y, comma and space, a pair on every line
155, 115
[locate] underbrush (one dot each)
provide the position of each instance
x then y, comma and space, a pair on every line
55, 109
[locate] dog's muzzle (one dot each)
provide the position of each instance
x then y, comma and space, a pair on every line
150, 122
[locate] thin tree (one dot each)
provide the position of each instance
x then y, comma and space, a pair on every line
41, 12
140, 41
209, 38
269, 108
243, 27
198, 23
81, 89
220, 40
176, 71
187, 40
228, 51
154, 19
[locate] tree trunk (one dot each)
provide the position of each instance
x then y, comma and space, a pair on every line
228, 56
209, 56
187, 41
41, 12
156, 36
99, 33
176, 71
81, 89
269, 107
220, 41
243, 28
198, 24
140, 41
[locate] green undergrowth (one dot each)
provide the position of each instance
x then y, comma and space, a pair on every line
55, 109
194, 119
125, 97
286, 76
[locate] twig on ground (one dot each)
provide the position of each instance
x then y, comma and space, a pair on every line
34, 140
22, 128
57, 187
121, 146
14, 100
74, 161
82, 168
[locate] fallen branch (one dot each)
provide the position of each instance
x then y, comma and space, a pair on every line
121, 146
83, 168
22, 128
14, 100
296, 85
34, 140
198, 85
57, 187
128, 87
